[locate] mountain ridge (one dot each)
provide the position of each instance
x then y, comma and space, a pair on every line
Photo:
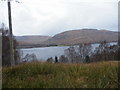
31, 39
82, 36
70, 37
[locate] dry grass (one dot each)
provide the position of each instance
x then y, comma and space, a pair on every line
46, 75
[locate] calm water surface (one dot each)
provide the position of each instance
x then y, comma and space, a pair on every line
44, 53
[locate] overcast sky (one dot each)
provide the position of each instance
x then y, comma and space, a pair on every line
49, 17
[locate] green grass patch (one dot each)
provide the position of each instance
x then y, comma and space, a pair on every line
46, 75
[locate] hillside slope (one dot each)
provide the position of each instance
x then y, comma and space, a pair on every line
30, 40
82, 36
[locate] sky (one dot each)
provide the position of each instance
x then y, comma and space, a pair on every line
49, 17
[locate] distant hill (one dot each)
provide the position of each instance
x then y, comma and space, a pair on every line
82, 36
30, 40
70, 37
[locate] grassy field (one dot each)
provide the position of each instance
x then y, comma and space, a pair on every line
46, 75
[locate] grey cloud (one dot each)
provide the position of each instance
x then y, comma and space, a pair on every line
53, 16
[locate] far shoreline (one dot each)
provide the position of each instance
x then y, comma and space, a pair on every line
39, 46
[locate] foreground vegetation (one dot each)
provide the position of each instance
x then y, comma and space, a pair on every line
46, 75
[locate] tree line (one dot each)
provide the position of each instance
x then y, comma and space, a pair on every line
84, 53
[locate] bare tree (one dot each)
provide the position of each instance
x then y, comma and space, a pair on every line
71, 54
79, 54
102, 50
50, 60
105, 52
29, 57
63, 59
84, 51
